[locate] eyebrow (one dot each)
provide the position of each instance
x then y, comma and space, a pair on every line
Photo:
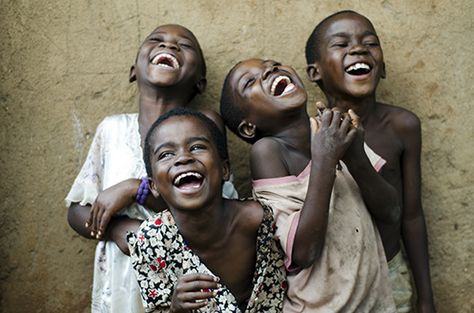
164, 33
188, 141
345, 34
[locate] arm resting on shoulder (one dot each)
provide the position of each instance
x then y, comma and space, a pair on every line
116, 231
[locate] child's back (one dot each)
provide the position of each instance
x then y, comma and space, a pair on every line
334, 254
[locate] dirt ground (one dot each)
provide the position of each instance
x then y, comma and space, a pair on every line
64, 67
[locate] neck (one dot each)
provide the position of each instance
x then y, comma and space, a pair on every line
296, 133
154, 102
203, 228
362, 107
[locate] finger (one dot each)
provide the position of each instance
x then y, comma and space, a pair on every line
199, 276
193, 305
94, 219
103, 222
351, 135
197, 295
355, 118
90, 222
314, 124
320, 107
346, 124
199, 285
326, 118
336, 118
89, 219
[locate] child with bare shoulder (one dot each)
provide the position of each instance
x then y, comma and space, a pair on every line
302, 170
345, 59
205, 253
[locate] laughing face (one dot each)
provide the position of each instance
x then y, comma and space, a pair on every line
351, 59
170, 55
267, 91
186, 166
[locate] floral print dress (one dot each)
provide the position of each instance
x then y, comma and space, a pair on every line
160, 257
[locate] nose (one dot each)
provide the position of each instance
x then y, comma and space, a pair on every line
271, 69
169, 45
358, 49
183, 158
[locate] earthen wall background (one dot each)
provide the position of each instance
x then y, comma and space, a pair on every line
64, 66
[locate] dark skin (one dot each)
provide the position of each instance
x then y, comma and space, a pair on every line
392, 132
221, 232
288, 143
161, 89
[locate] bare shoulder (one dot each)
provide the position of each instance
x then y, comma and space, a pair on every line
266, 160
249, 214
403, 121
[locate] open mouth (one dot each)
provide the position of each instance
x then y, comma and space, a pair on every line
165, 60
188, 180
281, 86
358, 69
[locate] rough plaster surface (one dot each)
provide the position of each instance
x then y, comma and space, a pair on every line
64, 66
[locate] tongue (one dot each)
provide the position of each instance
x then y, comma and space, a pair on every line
190, 185
288, 88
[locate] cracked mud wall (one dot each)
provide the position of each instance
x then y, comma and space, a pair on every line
64, 66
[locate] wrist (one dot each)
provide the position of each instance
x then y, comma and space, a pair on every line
142, 191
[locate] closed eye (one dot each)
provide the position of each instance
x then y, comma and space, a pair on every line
339, 44
371, 44
155, 39
185, 44
249, 82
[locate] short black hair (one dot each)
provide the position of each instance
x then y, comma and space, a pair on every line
314, 40
217, 137
231, 112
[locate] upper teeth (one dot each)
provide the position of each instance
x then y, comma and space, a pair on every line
167, 56
277, 80
357, 66
178, 179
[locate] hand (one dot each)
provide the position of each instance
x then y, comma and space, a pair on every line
356, 150
108, 203
331, 136
193, 291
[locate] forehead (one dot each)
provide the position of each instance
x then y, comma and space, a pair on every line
347, 23
250, 66
176, 30
176, 128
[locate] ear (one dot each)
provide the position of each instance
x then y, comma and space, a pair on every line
225, 170
132, 76
383, 71
201, 85
313, 72
246, 129
154, 189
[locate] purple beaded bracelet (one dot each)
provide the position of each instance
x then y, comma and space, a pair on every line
143, 191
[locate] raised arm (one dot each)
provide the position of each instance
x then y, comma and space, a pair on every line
413, 221
328, 144
379, 196
329, 140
